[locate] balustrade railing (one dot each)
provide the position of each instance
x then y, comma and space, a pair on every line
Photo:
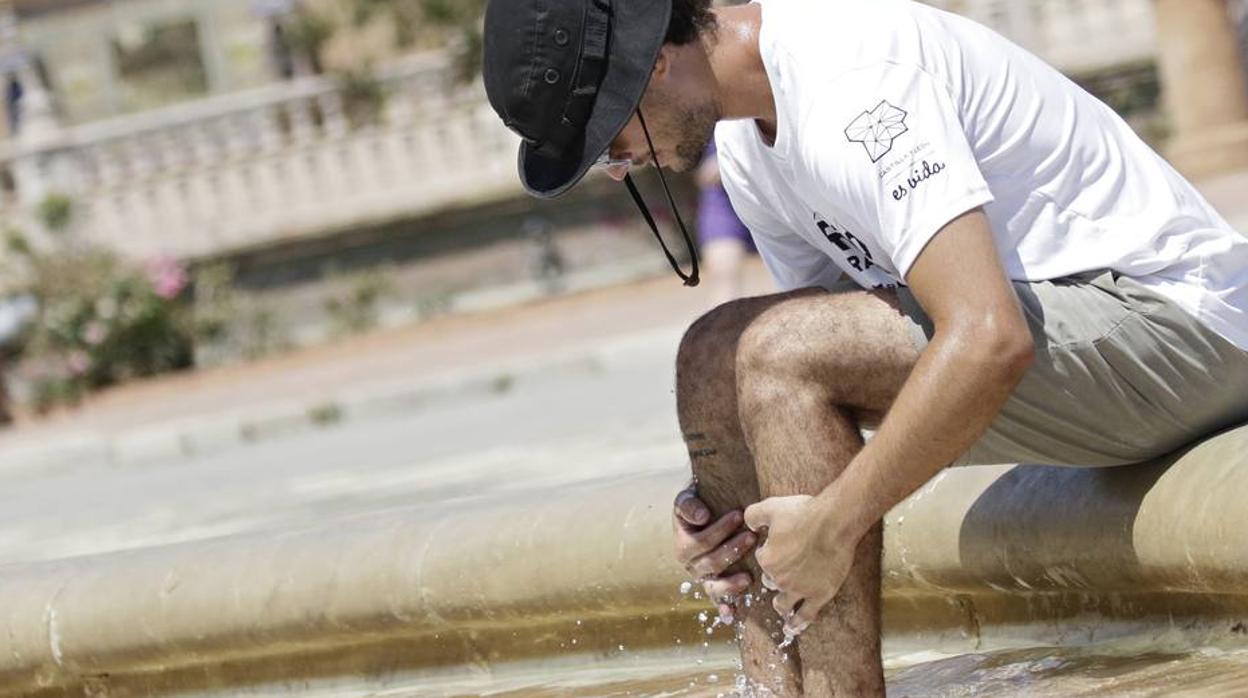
263, 166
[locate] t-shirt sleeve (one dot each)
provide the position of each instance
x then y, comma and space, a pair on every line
792, 261
891, 152
795, 263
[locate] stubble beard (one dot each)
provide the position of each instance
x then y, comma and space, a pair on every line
694, 127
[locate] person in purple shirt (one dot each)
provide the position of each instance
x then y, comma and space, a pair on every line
722, 238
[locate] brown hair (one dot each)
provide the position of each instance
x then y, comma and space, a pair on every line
689, 19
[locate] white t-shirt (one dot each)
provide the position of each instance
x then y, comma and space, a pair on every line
894, 118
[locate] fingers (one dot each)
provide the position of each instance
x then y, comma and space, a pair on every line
729, 587
798, 613
805, 614
693, 544
725, 590
758, 515
784, 603
713, 564
691, 511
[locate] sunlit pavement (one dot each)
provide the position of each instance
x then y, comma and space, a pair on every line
533, 436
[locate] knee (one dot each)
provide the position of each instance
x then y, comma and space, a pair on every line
713, 339
775, 363
708, 347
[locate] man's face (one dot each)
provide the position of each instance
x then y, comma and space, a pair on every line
681, 120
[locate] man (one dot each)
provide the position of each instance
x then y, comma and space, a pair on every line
1036, 284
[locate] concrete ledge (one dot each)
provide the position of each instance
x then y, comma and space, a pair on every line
981, 555
1175, 525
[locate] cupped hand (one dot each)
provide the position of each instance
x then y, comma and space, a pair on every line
708, 548
802, 557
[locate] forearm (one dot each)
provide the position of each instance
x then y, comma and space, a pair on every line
955, 390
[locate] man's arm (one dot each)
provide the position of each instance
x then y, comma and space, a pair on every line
980, 351
981, 348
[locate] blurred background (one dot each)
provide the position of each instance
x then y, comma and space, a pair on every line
263, 262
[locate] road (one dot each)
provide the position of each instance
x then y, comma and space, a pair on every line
582, 425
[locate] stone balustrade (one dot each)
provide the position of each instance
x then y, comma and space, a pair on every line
287, 161
263, 166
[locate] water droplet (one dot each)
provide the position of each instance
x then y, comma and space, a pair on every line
702, 617
713, 678
686, 587
621, 648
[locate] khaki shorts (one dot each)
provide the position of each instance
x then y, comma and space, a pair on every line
1121, 375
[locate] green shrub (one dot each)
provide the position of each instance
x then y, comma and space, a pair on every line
56, 212
101, 320
355, 308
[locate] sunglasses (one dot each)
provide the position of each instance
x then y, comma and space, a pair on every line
605, 161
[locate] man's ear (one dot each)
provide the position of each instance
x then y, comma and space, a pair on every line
663, 64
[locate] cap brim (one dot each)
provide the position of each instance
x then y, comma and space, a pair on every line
637, 32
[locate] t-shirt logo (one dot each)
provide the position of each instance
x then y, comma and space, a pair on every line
856, 253
877, 129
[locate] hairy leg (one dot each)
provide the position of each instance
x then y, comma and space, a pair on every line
768, 390
805, 368
706, 399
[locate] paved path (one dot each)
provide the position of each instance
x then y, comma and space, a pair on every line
579, 421
581, 426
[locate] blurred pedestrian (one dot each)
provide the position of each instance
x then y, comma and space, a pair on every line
16, 314
13, 103
723, 239
547, 263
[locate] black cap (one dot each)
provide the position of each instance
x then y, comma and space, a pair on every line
567, 76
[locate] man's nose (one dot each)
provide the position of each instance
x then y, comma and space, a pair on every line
618, 171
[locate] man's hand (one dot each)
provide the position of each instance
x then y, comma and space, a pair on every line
707, 549
805, 557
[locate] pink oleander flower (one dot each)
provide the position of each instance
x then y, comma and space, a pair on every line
167, 276
94, 333
78, 362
